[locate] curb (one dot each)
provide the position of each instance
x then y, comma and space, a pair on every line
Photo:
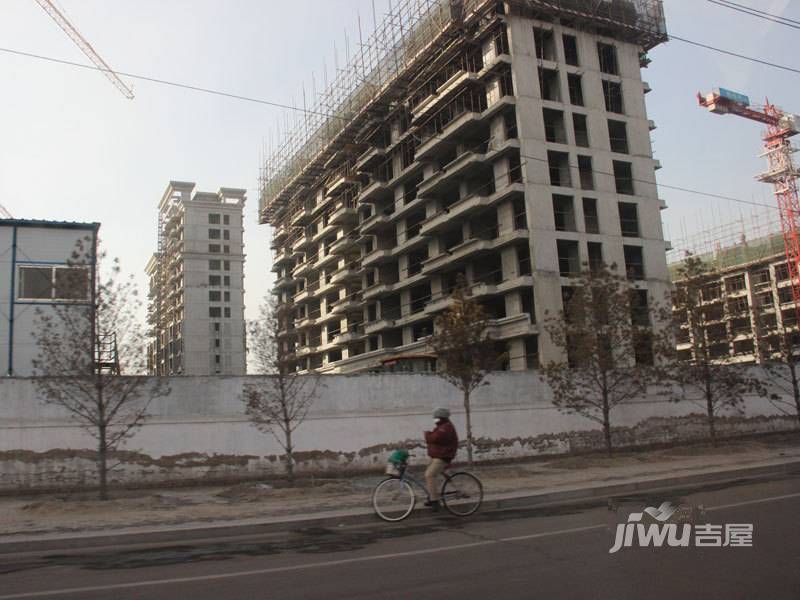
597, 494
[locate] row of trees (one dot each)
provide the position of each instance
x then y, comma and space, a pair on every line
617, 349
620, 347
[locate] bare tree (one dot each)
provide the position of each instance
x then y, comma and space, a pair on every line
778, 350
703, 377
606, 334
278, 403
85, 342
465, 352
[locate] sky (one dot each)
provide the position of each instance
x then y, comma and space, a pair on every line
73, 148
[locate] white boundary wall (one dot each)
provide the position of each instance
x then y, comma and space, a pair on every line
200, 432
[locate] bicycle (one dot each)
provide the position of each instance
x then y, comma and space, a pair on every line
393, 499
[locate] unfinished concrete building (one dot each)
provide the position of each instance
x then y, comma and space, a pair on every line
746, 303
507, 142
197, 283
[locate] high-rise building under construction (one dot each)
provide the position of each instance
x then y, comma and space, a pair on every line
196, 308
503, 142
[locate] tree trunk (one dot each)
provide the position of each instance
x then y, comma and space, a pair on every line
712, 428
607, 429
289, 458
102, 463
795, 387
102, 442
468, 412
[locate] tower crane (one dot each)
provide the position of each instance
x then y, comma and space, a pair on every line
85, 46
782, 172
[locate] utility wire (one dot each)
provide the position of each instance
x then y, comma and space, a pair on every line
737, 55
293, 108
205, 90
760, 14
185, 86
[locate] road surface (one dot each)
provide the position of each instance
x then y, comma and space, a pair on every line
548, 552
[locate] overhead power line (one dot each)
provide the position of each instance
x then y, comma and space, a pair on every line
736, 54
196, 88
760, 14
186, 86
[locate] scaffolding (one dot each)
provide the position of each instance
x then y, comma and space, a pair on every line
375, 78
741, 241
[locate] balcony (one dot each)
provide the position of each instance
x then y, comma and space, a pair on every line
411, 318
352, 333
381, 221
509, 191
323, 231
324, 256
376, 290
376, 191
452, 173
498, 61
284, 282
407, 206
346, 305
443, 92
343, 215
303, 269
456, 254
343, 276
370, 158
376, 257
327, 317
283, 258
489, 288
511, 327
458, 210
500, 104
302, 296
413, 242
306, 350
301, 243
411, 279
344, 244
468, 124
305, 322
340, 182
302, 217
279, 237
438, 305
468, 249
378, 325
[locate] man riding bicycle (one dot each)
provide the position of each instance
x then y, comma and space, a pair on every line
442, 443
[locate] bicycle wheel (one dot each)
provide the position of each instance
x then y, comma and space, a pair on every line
393, 499
462, 494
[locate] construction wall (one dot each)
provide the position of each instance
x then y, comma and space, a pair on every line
199, 432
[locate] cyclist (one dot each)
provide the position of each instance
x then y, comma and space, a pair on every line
442, 443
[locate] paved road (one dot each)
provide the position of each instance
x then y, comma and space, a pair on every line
549, 552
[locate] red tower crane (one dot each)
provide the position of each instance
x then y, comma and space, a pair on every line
782, 173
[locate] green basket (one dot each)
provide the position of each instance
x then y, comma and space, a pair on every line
399, 457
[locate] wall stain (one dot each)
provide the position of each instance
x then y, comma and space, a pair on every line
62, 468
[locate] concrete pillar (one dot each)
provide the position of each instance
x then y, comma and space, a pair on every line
516, 354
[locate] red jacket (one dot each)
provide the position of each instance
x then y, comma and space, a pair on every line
442, 441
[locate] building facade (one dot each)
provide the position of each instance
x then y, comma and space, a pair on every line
197, 284
38, 273
511, 147
746, 304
